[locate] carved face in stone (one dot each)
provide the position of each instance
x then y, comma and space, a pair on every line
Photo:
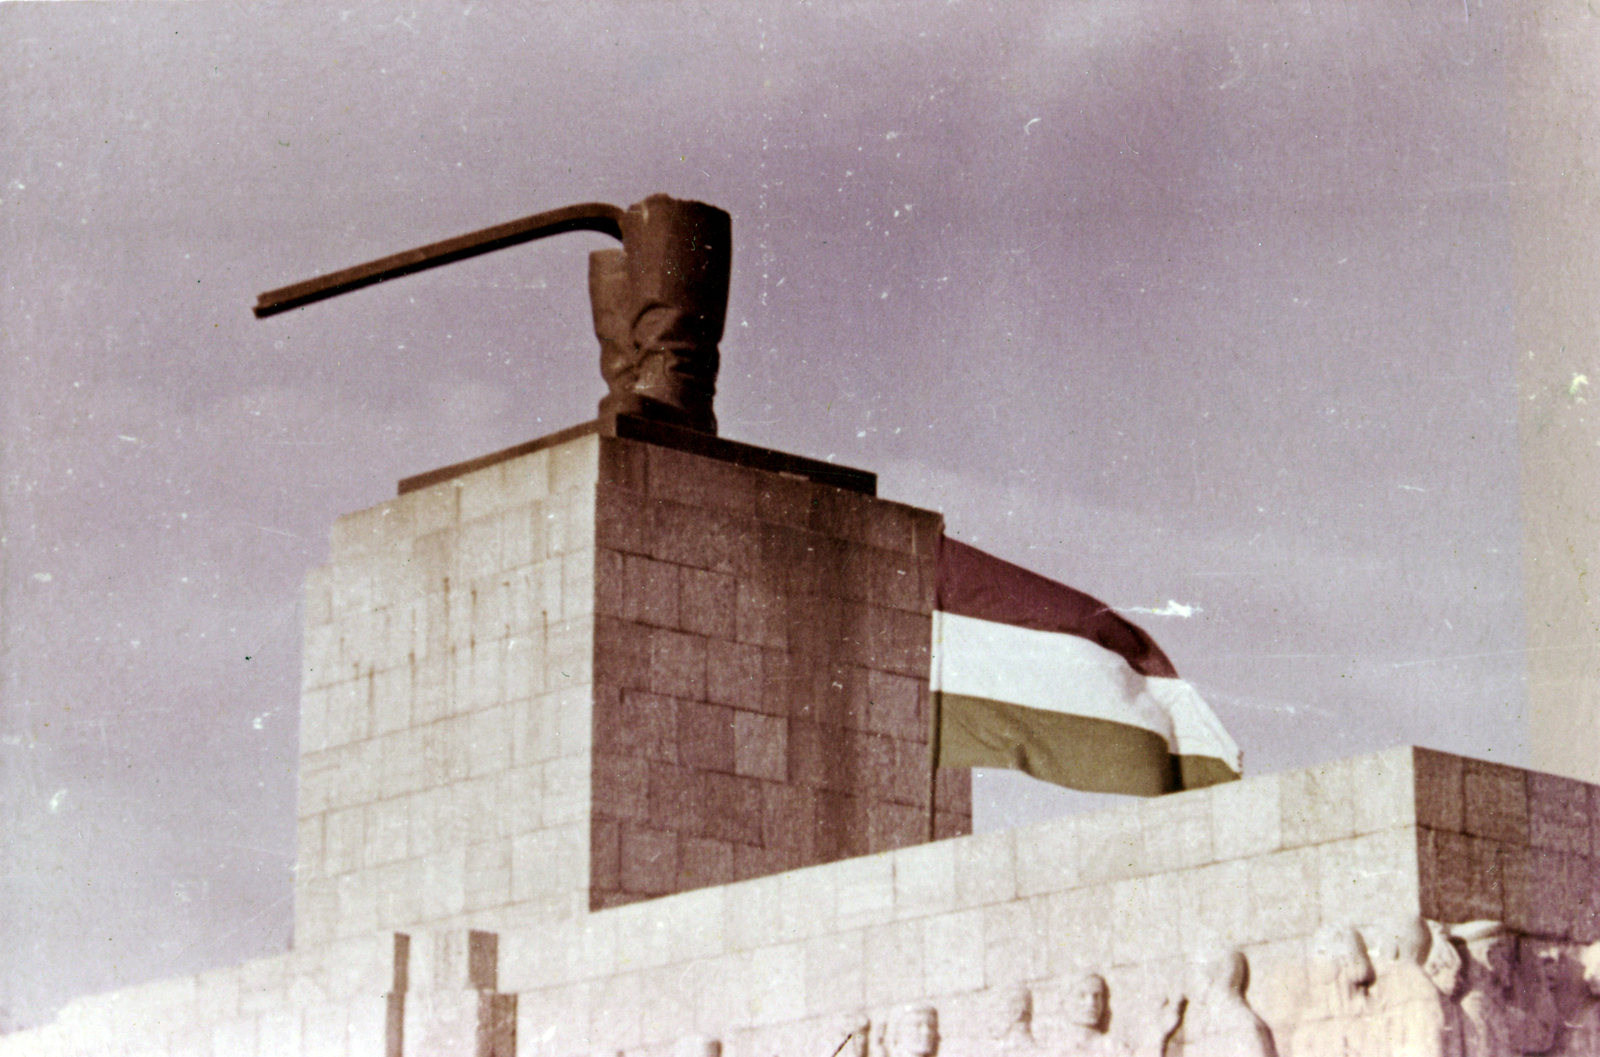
1086, 1004
1016, 1007
914, 1032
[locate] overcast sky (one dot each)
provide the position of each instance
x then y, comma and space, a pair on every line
1202, 308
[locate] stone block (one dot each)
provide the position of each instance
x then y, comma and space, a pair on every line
1496, 802
891, 826
620, 787
1216, 904
809, 903
574, 527
760, 746
623, 523
677, 664
1288, 891
1384, 787
706, 736
344, 837
675, 799
524, 666
894, 970
549, 861
893, 580
649, 863
566, 790
778, 985
487, 881
577, 585
320, 660
649, 592
733, 674
444, 883
896, 706
706, 603
234, 1038
316, 910
391, 700
693, 925
365, 1035
1316, 804
385, 828
1110, 846
1558, 813
1365, 878
525, 479
695, 480
865, 891
1142, 925
490, 740
323, 1029
924, 880
479, 553
953, 952
836, 969
1440, 795
481, 492
1177, 831
753, 913
636, 724
1015, 943
348, 712
263, 984
986, 868
571, 653
574, 465
733, 808
280, 1033
760, 615
1458, 876
703, 861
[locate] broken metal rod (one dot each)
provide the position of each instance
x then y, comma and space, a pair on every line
590, 216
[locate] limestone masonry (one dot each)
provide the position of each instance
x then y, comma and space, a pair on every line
612, 747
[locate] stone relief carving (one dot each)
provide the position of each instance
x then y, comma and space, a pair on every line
1086, 1024
1331, 1018
1577, 978
1015, 1034
1218, 1020
1400, 987
912, 1031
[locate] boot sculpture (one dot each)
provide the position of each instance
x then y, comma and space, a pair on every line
659, 306
659, 302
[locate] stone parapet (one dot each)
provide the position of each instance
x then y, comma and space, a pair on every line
1151, 897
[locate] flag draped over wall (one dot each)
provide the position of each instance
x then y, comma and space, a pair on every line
1029, 674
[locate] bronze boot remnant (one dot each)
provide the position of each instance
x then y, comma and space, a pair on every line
659, 302
659, 308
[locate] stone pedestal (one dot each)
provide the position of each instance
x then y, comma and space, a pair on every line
607, 669
613, 746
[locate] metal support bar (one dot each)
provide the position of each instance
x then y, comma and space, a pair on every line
590, 216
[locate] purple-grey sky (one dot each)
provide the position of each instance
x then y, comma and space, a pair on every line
1202, 308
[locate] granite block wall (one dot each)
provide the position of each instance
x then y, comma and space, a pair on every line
761, 667
445, 720
790, 962
669, 668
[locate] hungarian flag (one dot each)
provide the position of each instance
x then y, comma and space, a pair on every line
1032, 675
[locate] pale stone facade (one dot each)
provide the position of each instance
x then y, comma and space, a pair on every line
611, 748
